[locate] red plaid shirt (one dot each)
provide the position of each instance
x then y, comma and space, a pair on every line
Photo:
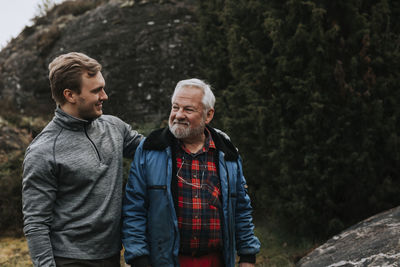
199, 199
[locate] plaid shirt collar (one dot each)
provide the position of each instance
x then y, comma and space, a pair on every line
208, 144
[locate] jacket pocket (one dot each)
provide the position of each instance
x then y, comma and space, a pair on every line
155, 187
160, 226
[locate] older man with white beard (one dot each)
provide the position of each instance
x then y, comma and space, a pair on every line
186, 201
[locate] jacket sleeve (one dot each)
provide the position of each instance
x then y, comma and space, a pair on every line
247, 243
135, 211
39, 187
131, 140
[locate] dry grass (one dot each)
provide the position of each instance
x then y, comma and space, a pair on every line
275, 251
14, 252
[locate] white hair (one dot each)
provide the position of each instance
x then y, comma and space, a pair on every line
208, 96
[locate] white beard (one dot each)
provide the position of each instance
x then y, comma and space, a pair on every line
184, 131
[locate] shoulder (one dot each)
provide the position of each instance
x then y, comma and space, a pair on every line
223, 143
112, 124
110, 119
43, 144
158, 139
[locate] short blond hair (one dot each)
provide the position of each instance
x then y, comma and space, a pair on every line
65, 72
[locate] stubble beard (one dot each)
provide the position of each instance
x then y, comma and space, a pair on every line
90, 112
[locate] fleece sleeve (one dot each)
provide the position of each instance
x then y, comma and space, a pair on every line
39, 187
131, 140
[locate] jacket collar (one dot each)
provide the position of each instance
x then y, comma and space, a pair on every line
162, 138
69, 122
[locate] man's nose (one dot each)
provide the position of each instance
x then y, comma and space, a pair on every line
180, 114
103, 95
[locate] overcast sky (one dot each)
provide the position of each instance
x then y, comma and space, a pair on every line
14, 16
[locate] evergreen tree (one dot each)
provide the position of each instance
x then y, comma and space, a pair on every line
312, 104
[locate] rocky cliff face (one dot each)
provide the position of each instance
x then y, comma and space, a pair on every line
373, 242
141, 45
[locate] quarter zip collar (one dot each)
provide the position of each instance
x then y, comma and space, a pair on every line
69, 122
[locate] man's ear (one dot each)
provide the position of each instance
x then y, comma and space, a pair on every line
209, 115
70, 96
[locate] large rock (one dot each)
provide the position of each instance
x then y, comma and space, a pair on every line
141, 45
373, 242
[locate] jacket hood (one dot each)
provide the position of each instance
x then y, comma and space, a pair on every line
163, 138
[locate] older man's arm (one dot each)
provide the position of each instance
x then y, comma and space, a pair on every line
247, 243
134, 213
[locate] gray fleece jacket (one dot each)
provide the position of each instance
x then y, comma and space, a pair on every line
72, 188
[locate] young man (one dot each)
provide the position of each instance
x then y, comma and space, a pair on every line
186, 202
72, 178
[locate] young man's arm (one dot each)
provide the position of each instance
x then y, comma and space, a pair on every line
39, 187
131, 140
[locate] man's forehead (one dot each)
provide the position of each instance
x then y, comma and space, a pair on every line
93, 81
186, 100
192, 86
188, 91
87, 74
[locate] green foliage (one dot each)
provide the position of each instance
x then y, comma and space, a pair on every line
56, 8
44, 6
311, 104
278, 248
211, 31
10, 197
77, 7
16, 132
33, 125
